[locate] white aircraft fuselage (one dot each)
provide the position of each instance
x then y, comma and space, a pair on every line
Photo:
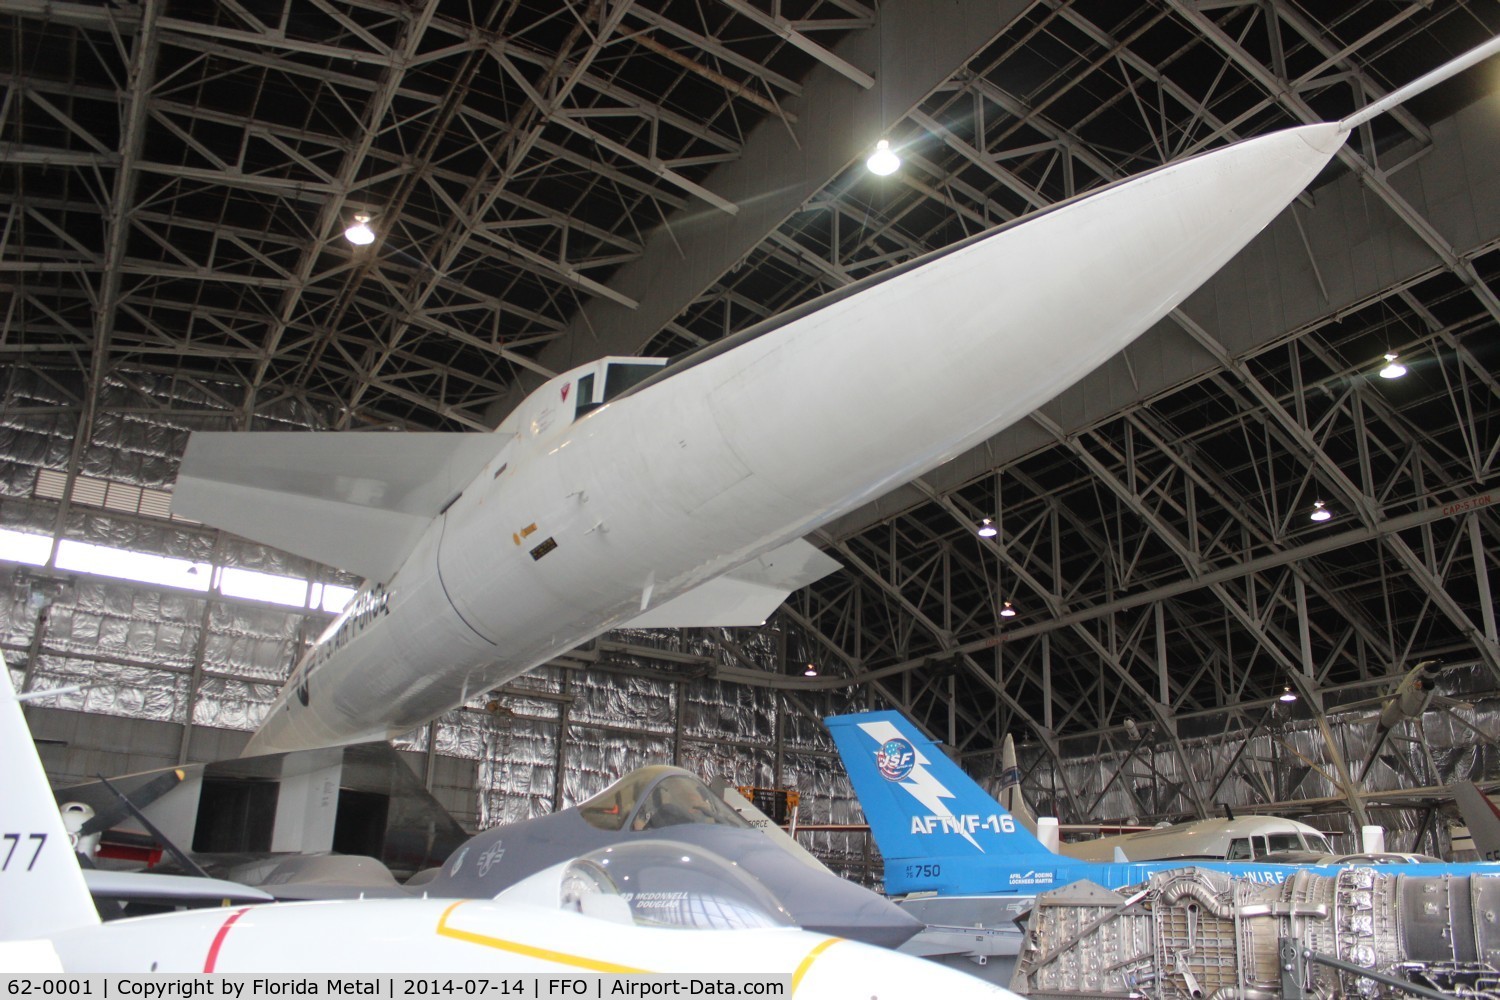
496, 936
579, 524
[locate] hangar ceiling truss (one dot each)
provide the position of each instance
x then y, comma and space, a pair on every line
175, 180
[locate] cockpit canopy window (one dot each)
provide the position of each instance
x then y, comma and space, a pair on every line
1282, 842
1318, 842
667, 884
618, 376
678, 799
656, 797
1258, 846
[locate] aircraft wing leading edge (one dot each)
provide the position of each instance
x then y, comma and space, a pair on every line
355, 501
745, 595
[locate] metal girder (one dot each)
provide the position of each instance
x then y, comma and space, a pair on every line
330, 216
142, 69
1376, 179
562, 77
776, 173
717, 50
1194, 563
1358, 501
788, 31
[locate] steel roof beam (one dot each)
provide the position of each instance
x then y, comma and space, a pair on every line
777, 172
497, 176
785, 29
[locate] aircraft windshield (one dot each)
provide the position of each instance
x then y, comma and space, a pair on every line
656, 797
671, 885
1284, 842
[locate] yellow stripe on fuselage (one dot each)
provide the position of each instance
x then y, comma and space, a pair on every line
809, 959
545, 954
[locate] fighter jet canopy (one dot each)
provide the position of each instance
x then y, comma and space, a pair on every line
668, 884
651, 798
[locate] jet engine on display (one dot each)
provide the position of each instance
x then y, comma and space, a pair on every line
1191, 933
967, 870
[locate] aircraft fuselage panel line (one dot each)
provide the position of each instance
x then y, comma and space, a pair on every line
699, 474
443, 518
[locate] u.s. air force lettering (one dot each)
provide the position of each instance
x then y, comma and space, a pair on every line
366, 607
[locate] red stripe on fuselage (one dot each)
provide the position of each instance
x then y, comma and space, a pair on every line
213, 949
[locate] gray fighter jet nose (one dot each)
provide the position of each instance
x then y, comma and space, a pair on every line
669, 804
817, 900
846, 910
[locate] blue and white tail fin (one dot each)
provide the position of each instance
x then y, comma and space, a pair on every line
924, 811
41, 886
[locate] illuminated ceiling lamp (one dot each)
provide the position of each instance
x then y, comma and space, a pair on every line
1320, 511
360, 233
810, 671
883, 161
1006, 611
1393, 368
987, 528
1287, 695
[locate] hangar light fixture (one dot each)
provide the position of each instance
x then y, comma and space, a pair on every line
1287, 695
987, 528
811, 671
1006, 611
360, 234
883, 161
1320, 511
1393, 368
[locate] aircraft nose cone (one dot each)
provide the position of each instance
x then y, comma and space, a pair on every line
1324, 138
814, 898
835, 906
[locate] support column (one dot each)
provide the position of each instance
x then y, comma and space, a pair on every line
562, 741
1308, 686
429, 768
1482, 577
200, 648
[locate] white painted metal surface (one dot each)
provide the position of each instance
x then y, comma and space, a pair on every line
375, 936
576, 527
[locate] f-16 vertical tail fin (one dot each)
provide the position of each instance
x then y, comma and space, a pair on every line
934, 825
41, 886
1011, 796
